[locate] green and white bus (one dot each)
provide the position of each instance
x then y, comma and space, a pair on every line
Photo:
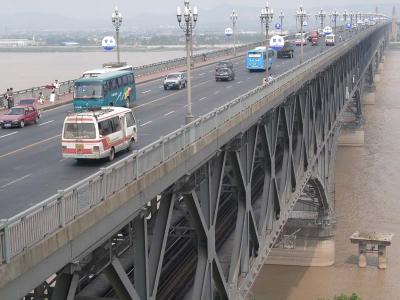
115, 88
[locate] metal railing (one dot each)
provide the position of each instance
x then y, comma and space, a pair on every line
33, 225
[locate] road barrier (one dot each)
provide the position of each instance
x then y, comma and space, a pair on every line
36, 223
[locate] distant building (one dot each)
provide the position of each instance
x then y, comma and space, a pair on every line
17, 43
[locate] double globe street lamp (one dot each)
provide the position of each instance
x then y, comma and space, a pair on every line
335, 14
281, 17
301, 16
321, 16
116, 19
234, 18
187, 24
266, 17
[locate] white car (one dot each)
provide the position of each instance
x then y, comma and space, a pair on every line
175, 80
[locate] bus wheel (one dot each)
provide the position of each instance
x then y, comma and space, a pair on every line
111, 156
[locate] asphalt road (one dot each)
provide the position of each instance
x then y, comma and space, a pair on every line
31, 165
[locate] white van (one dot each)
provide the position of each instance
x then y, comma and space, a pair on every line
330, 40
98, 133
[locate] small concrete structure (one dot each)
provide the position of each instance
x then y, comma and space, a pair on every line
352, 138
369, 98
371, 242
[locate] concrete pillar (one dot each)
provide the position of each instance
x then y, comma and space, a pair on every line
380, 67
369, 98
381, 256
377, 78
353, 138
362, 255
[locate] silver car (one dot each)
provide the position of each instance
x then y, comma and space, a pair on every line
175, 81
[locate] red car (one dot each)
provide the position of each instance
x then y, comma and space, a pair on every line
31, 101
18, 116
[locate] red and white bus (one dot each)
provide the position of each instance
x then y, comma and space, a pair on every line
98, 133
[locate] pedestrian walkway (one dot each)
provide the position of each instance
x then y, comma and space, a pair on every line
67, 98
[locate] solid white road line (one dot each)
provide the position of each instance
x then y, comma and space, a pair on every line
239, 82
145, 92
216, 92
201, 74
229, 86
15, 181
3, 136
48, 122
147, 123
171, 112
201, 99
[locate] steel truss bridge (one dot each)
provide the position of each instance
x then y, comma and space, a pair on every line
195, 215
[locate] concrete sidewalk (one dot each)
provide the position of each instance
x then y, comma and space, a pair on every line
67, 98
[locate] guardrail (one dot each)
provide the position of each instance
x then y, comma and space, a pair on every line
66, 87
31, 226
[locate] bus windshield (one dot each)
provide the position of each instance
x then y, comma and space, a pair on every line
254, 55
79, 130
88, 90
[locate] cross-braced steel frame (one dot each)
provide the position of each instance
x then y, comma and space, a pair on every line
207, 236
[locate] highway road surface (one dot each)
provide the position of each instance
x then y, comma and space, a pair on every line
31, 165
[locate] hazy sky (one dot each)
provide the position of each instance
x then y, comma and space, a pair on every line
90, 8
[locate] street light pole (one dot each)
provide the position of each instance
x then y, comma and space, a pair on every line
188, 25
281, 17
116, 19
351, 20
234, 18
301, 15
266, 16
321, 15
335, 14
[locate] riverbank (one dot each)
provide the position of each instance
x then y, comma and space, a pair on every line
366, 200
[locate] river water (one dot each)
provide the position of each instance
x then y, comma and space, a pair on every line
25, 70
367, 199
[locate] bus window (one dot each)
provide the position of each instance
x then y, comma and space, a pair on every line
125, 80
131, 79
105, 127
114, 84
120, 84
88, 90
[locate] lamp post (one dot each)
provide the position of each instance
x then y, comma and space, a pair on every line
321, 16
345, 15
360, 18
301, 15
116, 19
266, 16
351, 15
335, 15
281, 17
188, 25
234, 18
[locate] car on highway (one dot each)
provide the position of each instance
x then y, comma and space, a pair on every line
31, 101
175, 80
224, 73
18, 116
98, 133
224, 64
330, 40
286, 51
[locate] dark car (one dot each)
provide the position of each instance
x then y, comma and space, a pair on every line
286, 51
224, 64
18, 116
223, 73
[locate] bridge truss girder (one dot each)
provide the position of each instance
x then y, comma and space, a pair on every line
208, 235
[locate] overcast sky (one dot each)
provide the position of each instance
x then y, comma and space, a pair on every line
90, 8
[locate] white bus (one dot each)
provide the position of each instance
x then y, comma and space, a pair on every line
109, 67
98, 133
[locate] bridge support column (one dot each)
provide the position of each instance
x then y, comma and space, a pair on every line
65, 287
120, 281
